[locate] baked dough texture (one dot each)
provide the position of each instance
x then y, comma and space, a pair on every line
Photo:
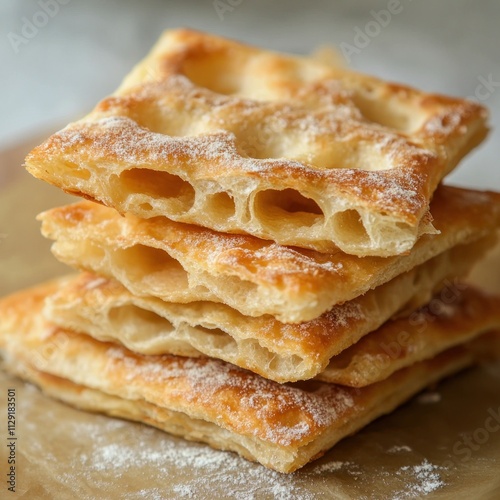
184, 263
104, 310
212, 132
281, 426
451, 318
282, 352
269, 259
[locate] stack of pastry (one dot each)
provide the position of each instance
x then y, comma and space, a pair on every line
268, 259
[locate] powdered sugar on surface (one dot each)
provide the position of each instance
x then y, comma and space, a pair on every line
346, 314
211, 146
326, 115
208, 383
429, 397
422, 480
444, 123
115, 457
189, 470
399, 448
194, 471
279, 261
334, 466
84, 454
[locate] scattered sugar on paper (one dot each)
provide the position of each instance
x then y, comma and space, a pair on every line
106, 449
397, 449
421, 480
335, 466
116, 449
429, 398
208, 469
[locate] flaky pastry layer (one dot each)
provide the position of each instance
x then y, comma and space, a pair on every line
238, 139
181, 263
281, 426
282, 352
453, 317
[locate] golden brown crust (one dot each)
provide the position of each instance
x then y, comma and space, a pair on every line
454, 316
282, 352
281, 426
220, 134
254, 276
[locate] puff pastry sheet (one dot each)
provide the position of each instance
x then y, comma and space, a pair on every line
281, 426
213, 132
184, 263
282, 352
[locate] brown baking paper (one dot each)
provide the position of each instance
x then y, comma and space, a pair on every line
445, 444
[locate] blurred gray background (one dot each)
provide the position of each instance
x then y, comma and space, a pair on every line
59, 57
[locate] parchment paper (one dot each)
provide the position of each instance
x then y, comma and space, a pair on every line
445, 444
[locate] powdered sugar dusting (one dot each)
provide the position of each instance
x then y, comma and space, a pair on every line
399, 448
277, 261
345, 314
423, 479
190, 470
445, 123
113, 456
325, 115
335, 466
195, 471
429, 397
287, 414
215, 145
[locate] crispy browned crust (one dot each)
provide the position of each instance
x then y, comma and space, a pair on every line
282, 352
281, 426
453, 317
254, 276
213, 132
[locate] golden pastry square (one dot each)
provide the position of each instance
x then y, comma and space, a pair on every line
213, 132
181, 263
282, 426
282, 352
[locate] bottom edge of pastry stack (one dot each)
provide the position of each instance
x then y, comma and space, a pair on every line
281, 426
